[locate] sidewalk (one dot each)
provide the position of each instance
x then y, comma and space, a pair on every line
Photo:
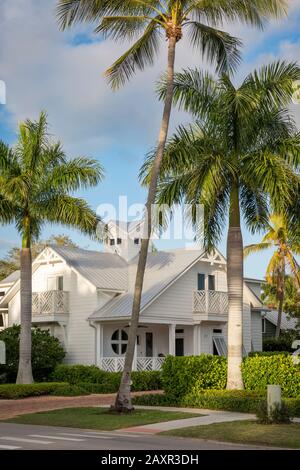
207, 417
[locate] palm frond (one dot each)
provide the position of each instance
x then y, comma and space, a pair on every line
194, 91
141, 54
256, 248
217, 46
75, 174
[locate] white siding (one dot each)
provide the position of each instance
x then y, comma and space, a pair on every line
256, 329
176, 303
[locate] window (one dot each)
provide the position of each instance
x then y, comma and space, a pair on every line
179, 331
263, 325
136, 241
211, 282
2, 293
112, 242
201, 281
1, 321
119, 342
60, 283
119, 241
217, 331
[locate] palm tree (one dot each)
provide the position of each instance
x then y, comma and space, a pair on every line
240, 153
36, 180
147, 22
282, 260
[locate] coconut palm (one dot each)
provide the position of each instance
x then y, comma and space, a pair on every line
239, 155
146, 23
36, 180
282, 262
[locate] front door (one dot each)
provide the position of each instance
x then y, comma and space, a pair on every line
179, 347
149, 344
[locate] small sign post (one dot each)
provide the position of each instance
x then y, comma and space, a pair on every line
2, 353
273, 397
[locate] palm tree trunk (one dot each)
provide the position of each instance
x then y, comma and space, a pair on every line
235, 276
25, 370
123, 399
280, 295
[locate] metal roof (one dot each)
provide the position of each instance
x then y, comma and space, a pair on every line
11, 279
103, 270
287, 323
163, 267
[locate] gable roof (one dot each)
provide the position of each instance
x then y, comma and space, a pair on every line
162, 269
11, 279
287, 323
106, 271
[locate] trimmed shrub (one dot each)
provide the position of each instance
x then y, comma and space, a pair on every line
68, 390
268, 353
260, 371
181, 374
96, 380
47, 353
13, 391
78, 373
279, 344
230, 400
242, 401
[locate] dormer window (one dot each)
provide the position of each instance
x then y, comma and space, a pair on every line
136, 241
112, 242
119, 241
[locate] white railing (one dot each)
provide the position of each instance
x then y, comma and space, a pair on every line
149, 363
50, 302
210, 301
116, 364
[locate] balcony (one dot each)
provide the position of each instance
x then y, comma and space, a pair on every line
211, 305
50, 306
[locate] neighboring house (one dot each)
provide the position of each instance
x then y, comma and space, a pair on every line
269, 322
85, 298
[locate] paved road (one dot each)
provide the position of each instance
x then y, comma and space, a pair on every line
21, 436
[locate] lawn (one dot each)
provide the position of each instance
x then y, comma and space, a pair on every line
245, 432
98, 418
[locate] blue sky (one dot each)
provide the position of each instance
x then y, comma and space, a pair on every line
62, 74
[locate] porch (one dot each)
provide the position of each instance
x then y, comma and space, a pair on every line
154, 342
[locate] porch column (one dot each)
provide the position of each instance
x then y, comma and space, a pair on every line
99, 343
196, 340
134, 364
172, 329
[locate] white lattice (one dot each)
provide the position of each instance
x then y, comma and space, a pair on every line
200, 301
112, 364
50, 302
210, 301
116, 364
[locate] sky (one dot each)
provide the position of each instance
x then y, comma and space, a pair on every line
62, 73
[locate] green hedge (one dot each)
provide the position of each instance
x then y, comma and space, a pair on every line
260, 371
278, 344
96, 380
268, 353
47, 353
14, 391
240, 401
181, 374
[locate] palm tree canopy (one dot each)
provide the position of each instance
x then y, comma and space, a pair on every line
36, 182
241, 136
278, 237
147, 22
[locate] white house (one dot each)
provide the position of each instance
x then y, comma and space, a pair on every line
85, 298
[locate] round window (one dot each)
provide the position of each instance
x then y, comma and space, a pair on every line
119, 341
